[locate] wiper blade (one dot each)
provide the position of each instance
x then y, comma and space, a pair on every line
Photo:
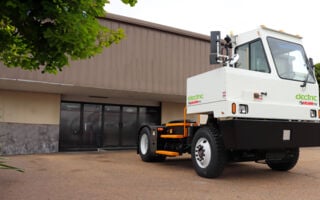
310, 71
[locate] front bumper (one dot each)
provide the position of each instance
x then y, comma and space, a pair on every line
269, 134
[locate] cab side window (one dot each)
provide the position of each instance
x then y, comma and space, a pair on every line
252, 57
243, 52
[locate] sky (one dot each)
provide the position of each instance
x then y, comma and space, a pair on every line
237, 16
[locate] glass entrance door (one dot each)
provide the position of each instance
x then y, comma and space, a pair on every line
111, 126
129, 125
70, 129
80, 125
120, 126
85, 126
92, 114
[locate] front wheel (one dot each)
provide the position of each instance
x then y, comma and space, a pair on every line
287, 163
208, 152
145, 147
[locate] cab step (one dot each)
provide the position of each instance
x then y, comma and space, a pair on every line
171, 136
167, 153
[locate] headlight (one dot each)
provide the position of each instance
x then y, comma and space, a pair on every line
243, 109
313, 113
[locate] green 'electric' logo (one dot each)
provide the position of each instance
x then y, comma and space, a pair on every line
306, 97
195, 97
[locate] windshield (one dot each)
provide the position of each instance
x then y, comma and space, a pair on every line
290, 60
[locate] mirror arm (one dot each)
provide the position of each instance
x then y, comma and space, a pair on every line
234, 59
311, 63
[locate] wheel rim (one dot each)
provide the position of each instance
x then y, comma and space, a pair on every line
203, 152
144, 144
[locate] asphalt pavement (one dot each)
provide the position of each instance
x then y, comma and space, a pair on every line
122, 175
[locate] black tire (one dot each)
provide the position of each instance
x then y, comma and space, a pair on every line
286, 163
208, 152
145, 147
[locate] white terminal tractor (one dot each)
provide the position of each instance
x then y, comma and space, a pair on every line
261, 104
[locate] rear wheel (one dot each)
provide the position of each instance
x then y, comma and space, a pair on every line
287, 163
145, 147
208, 152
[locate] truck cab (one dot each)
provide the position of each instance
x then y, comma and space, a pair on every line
272, 79
261, 104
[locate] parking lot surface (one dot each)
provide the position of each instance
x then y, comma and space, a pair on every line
122, 175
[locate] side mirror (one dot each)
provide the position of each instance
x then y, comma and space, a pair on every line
235, 59
214, 47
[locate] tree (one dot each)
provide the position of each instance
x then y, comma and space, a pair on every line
317, 70
45, 34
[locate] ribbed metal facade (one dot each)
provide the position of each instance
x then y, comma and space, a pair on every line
146, 71
152, 59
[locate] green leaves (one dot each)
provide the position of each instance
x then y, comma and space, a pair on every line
5, 166
130, 2
317, 70
44, 35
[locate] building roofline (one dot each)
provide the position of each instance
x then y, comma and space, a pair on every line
155, 26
